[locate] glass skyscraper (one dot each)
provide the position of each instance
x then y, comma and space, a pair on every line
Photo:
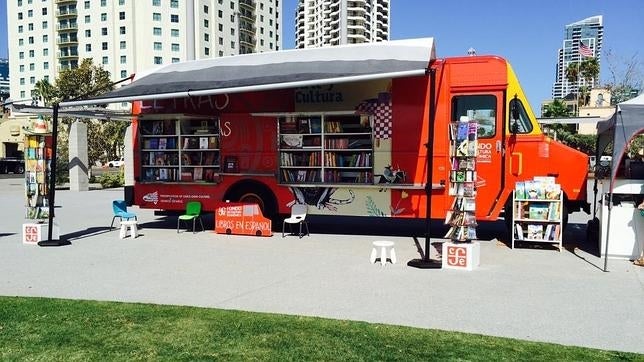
582, 39
4, 79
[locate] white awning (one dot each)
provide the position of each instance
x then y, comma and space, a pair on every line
276, 70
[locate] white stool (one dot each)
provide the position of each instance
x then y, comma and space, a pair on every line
384, 246
131, 224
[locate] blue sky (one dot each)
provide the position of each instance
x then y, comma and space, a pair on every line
527, 33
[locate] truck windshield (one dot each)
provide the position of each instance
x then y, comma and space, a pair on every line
523, 124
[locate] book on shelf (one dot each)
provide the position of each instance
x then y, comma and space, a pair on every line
519, 190
535, 231
461, 131
549, 232
538, 211
291, 141
304, 125
162, 143
203, 143
554, 212
163, 174
316, 124
157, 127
186, 176
518, 231
198, 173
213, 142
154, 143
171, 143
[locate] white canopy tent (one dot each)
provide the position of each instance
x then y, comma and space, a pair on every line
626, 123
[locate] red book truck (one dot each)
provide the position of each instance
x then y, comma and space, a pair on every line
342, 129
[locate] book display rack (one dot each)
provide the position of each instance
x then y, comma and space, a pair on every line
185, 150
462, 181
537, 212
38, 153
326, 148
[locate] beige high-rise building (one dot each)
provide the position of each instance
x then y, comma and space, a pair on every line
333, 22
130, 36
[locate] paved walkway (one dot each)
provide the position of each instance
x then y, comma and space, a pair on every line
532, 294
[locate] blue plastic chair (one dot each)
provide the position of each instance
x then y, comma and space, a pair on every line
120, 210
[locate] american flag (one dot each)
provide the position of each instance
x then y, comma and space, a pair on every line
584, 50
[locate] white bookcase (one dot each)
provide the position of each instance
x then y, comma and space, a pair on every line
537, 208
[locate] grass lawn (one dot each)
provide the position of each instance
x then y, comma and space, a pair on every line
54, 329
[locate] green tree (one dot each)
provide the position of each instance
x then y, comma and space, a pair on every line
104, 138
85, 81
557, 108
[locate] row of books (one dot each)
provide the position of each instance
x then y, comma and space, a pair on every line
464, 163
547, 211
462, 189
38, 153
461, 233
300, 159
550, 232
302, 125
301, 175
362, 159
291, 141
540, 188
463, 130
462, 176
460, 218
362, 177
463, 204
37, 212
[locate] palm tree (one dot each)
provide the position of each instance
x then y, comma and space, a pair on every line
572, 72
589, 69
45, 90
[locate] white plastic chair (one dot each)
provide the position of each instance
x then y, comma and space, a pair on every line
298, 216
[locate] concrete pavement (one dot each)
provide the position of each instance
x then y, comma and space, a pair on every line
533, 294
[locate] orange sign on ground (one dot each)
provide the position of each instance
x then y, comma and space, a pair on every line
241, 219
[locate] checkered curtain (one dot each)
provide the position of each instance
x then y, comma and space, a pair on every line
380, 108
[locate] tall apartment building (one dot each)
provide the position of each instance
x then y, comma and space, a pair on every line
4, 79
333, 22
590, 33
130, 36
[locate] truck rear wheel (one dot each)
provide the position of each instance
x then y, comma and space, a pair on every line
19, 169
255, 193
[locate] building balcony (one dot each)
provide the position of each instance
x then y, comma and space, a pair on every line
65, 1
70, 55
66, 13
67, 41
247, 15
248, 4
67, 27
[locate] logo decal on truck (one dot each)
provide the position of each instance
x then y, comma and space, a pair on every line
485, 152
152, 197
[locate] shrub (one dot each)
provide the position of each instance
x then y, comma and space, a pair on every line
109, 180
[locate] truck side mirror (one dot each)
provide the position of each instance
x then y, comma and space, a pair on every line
514, 115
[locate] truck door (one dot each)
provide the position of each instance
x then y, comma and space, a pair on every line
487, 110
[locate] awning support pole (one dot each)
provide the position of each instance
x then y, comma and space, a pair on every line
426, 262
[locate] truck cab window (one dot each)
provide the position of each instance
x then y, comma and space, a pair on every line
523, 124
481, 107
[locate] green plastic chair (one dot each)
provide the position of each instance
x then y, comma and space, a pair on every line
193, 212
